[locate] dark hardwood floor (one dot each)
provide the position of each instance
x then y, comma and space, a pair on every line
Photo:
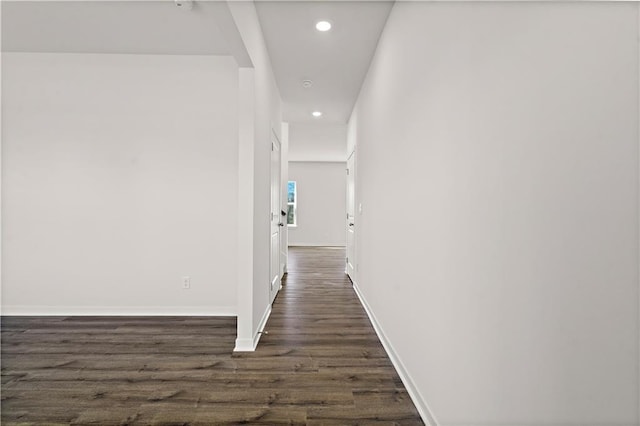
320, 363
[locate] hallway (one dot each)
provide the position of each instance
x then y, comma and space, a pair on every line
319, 327
320, 363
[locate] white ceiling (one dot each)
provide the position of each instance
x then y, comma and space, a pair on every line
336, 61
148, 27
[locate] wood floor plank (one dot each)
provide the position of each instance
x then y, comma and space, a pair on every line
320, 364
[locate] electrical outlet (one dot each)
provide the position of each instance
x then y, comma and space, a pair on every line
186, 283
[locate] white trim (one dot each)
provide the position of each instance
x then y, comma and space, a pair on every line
261, 326
244, 345
32, 310
416, 397
250, 345
284, 180
638, 129
319, 161
275, 133
330, 245
1, 133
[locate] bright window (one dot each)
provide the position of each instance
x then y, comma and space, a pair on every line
292, 199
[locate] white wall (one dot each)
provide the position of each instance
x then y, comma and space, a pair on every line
321, 207
498, 251
1, 162
118, 178
317, 158
318, 142
254, 306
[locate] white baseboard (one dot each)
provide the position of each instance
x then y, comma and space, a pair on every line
250, 345
206, 311
317, 245
244, 345
416, 397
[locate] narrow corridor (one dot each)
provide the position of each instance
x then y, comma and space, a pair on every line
319, 327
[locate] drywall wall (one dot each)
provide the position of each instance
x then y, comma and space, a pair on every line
321, 206
1, 133
318, 142
497, 150
119, 177
264, 100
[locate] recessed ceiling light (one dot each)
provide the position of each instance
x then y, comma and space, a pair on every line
316, 114
323, 26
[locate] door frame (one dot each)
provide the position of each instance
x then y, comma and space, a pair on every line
275, 277
350, 258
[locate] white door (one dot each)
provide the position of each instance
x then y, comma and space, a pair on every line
276, 220
351, 217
